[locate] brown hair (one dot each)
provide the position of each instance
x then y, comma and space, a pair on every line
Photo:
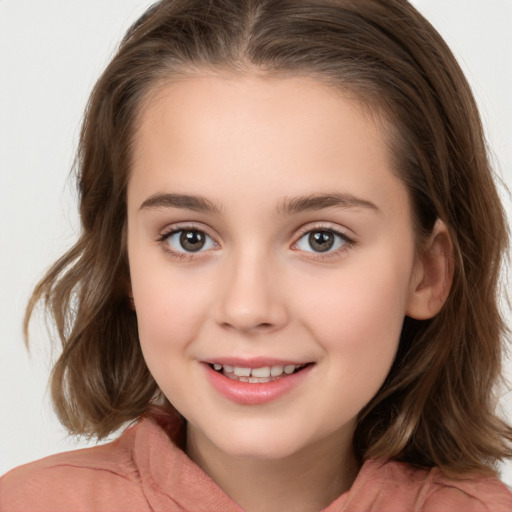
437, 407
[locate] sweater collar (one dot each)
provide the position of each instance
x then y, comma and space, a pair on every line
172, 481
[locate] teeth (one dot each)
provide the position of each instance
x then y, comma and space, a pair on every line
255, 380
261, 372
276, 370
242, 372
264, 372
289, 369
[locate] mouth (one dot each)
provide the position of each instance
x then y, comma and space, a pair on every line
257, 381
259, 375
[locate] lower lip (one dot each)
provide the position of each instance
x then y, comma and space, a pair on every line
258, 393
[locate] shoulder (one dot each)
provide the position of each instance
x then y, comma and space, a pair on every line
401, 487
102, 477
470, 494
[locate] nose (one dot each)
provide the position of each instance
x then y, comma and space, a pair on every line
251, 299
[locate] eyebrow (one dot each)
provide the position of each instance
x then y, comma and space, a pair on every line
286, 208
321, 201
183, 201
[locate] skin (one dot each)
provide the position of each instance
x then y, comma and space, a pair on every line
249, 146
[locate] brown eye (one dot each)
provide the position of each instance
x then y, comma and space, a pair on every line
192, 241
188, 241
321, 241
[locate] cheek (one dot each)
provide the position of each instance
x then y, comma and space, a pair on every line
358, 299
357, 317
169, 317
358, 328
169, 305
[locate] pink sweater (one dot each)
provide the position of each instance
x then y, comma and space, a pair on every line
144, 471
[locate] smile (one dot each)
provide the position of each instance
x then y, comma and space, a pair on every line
255, 384
256, 375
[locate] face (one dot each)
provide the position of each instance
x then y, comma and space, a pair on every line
272, 259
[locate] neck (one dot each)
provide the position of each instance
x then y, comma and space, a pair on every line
306, 481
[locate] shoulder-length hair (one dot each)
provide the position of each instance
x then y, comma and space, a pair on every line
437, 407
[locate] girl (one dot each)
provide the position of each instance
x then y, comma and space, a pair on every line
287, 275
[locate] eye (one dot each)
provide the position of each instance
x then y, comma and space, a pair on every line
188, 241
322, 240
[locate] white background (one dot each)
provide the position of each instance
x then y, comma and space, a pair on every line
51, 53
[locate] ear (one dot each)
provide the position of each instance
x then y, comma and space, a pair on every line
433, 275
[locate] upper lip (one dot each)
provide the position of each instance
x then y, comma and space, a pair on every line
253, 362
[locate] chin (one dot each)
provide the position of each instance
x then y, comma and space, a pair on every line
259, 444
258, 451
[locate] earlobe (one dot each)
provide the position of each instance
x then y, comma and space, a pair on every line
433, 275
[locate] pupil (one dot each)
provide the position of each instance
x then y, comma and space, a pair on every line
321, 241
192, 241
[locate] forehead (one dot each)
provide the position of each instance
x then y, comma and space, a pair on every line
296, 107
237, 136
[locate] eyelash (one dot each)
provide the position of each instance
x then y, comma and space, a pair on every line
346, 241
182, 255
